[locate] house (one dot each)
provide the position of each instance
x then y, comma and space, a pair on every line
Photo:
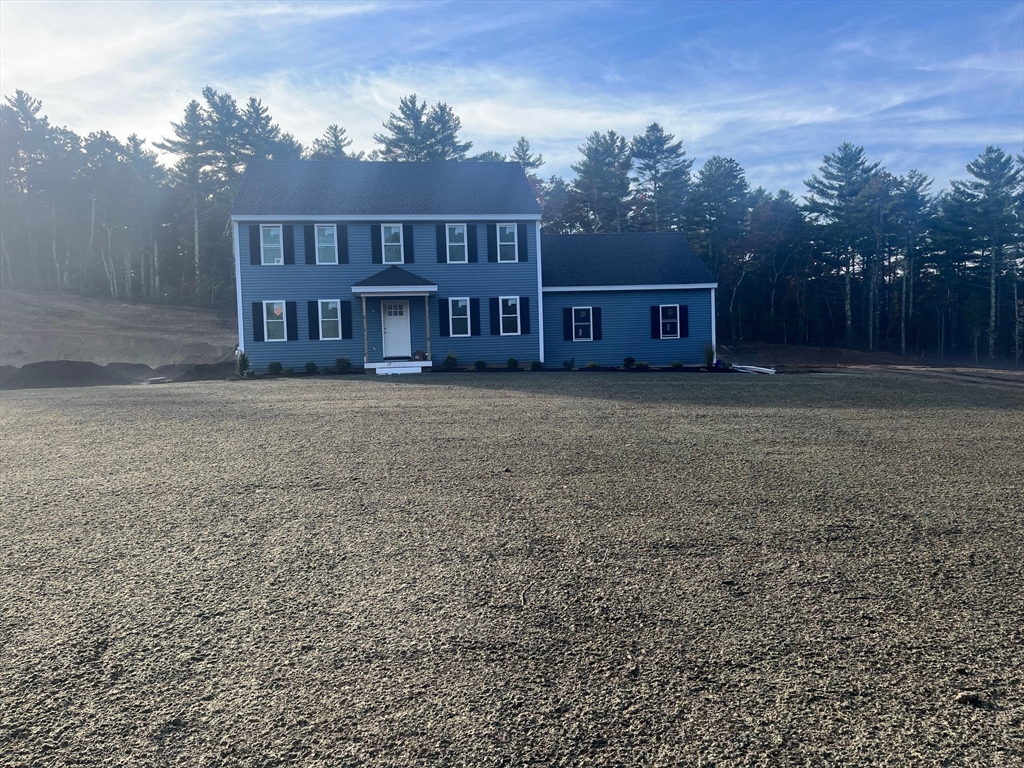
394, 265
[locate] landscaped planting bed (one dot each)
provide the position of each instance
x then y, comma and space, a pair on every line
514, 569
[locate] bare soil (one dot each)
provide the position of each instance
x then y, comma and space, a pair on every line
548, 569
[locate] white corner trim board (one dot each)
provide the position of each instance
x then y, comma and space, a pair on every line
666, 287
238, 287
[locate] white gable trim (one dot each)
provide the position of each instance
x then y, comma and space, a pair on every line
392, 217
665, 287
394, 290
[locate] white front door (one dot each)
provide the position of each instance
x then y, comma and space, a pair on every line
397, 338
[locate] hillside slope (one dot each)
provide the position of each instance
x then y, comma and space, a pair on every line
37, 327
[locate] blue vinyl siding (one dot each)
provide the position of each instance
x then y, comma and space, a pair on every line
626, 328
301, 282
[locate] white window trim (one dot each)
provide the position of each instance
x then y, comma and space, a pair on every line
284, 307
590, 323
502, 316
661, 320
514, 243
384, 245
263, 261
316, 244
469, 322
448, 244
320, 317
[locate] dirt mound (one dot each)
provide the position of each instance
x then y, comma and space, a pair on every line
62, 373
207, 372
132, 371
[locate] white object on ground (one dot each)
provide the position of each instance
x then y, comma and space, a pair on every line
754, 369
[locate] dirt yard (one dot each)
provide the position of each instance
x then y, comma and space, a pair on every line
496, 570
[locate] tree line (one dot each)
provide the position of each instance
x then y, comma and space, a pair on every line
864, 259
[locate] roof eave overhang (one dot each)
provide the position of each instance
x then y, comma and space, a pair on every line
393, 290
385, 217
647, 287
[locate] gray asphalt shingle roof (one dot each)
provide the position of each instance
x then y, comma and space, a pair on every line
393, 277
634, 258
325, 188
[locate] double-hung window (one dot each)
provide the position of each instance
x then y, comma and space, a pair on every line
670, 321
458, 317
582, 324
509, 315
391, 234
274, 321
457, 253
271, 244
507, 247
330, 319
326, 244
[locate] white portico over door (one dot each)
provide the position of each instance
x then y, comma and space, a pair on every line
397, 334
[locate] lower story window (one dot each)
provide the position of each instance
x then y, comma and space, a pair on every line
670, 321
330, 320
509, 315
458, 316
582, 327
273, 321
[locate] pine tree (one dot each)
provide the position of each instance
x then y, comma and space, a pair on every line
443, 129
662, 179
333, 146
521, 154
419, 132
717, 208
262, 138
601, 187
488, 156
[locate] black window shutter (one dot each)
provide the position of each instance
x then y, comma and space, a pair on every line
257, 321
492, 242
474, 317
524, 255
442, 317
291, 313
314, 321
376, 251
341, 235
495, 317
524, 314
471, 243
254, 245
309, 242
655, 322
442, 257
407, 249
346, 319
684, 321
288, 235
567, 334
595, 320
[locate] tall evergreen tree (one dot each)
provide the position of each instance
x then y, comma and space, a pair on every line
262, 138
601, 187
333, 145
716, 212
419, 132
662, 179
522, 154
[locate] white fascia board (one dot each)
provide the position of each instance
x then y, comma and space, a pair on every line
392, 217
384, 290
666, 287
238, 287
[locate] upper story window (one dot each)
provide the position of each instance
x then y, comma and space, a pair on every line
458, 317
391, 234
670, 321
274, 321
330, 319
271, 244
507, 247
326, 244
509, 315
582, 324
457, 245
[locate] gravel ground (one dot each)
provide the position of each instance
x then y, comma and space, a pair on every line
502, 569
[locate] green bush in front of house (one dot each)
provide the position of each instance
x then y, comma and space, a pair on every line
629, 362
536, 365
241, 364
450, 361
569, 364
643, 366
312, 368
480, 365
275, 369
343, 365
512, 364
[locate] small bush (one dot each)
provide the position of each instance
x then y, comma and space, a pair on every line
628, 363
480, 365
241, 364
569, 364
536, 365
343, 365
275, 369
592, 365
249, 373
676, 364
289, 371
450, 361
512, 364
312, 368
642, 366
709, 355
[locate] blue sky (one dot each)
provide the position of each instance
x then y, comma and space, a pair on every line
775, 85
